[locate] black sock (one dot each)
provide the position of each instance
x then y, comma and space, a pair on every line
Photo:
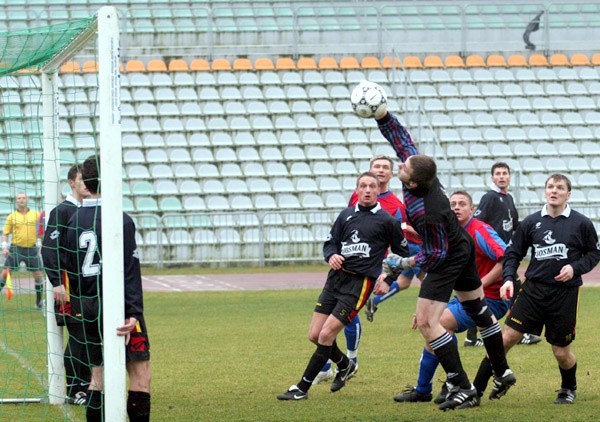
316, 362
338, 357
39, 290
494, 346
95, 403
472, 334
484, 373
446, 351
138, 406
569, 378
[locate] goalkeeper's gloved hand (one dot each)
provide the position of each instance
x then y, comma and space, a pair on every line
394, 264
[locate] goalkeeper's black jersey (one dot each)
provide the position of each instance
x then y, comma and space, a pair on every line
56, 227
83, 245
362, 236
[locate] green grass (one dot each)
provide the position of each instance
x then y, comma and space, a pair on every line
224, 356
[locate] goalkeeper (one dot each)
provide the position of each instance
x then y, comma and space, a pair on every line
83, 243
75, 356
448, 258
21, 224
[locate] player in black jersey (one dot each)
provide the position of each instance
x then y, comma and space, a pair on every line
83, 243
564, 246
75, 357
354, 249
497, 208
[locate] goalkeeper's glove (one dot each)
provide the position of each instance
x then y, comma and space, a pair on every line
394, 264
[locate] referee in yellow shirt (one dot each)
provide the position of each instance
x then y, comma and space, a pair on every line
21, 224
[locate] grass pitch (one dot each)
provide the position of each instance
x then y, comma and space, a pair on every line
224, 356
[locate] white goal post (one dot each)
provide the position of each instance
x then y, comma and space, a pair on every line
106, 30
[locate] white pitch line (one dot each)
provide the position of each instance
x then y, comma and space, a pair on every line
30, 369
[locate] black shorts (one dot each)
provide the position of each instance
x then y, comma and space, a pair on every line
541, 304
138, 348
18, 254
344, 295
457, 272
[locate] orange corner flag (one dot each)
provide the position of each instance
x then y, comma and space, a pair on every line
9, 292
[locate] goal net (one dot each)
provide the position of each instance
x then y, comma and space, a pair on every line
59, 104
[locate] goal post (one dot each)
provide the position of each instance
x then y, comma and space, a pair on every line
42, 51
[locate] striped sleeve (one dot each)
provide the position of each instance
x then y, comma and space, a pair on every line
397, 136
435, 247
490, 243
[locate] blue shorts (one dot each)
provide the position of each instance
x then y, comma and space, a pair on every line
498, 307
414, 249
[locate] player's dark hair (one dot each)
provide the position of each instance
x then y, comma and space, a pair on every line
382, 157
368, 174
90, 173
463, 193
72, 174
424, 170
557, 177
500, 165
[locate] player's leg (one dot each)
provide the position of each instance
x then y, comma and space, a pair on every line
77, 366
138, 367
510, 337
138, 398
528, 338
34, 264
353, 332
325, 305
560, 332
95, 406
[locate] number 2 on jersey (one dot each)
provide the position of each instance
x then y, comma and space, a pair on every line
89, 241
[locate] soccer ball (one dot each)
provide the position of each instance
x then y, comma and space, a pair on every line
368, 99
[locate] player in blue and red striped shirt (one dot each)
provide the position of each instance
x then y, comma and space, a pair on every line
448, 258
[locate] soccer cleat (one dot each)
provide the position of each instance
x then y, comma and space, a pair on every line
370, 309
79, 399
565, 396
323, 376
293, 393
473, 343
502, 384
441, 397
39, 305
460, 398
342, 376
530, 339
411, 395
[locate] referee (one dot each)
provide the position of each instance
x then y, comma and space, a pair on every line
21, 224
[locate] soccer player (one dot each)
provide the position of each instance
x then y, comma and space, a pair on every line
448, 258
383, 167
83, 243
75, 356
497, 208
21, 224
564, 246
489, 251
354, 249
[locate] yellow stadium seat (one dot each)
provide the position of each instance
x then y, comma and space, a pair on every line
580, 60
475, 60
307, 63
70, 67
178, 65
285, 63
516, 60
538, 60
559, 60
242, 64
156, 65
91, 66
135, 66
220, 64
328, 63
433, 61
199, 65
412, 62
387, 62
370, 62
349, 63
496, 60
264, 63
454, 61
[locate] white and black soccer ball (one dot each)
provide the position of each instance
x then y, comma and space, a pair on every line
368, 99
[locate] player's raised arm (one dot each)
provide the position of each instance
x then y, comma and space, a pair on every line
397, 135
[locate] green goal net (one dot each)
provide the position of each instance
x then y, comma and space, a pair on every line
56, 107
